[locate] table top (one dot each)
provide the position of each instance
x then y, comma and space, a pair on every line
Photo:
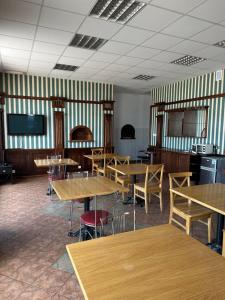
55, 162
100, 156
77, 188
211, 195
131, 169
160, 262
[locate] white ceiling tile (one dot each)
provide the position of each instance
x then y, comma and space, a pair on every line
13, 42
129, 61
57, 19
17, 29
41, 64
77, 6
48, 48
162, 41
153, 18
186, 27
44, 57
14, 53
210, 52
187, 47
211, 35
132, 35
182, 6
116, 47
115, 67
78, 52
143, 52
19, 11
53, 36
17, 61
60, 73
99, 28
87, 70
80, 76
209, 65
150, 64
106, 57
71, 61
166, 56
211, 10
14, 68
95, 64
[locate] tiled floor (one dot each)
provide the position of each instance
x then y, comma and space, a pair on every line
31, 241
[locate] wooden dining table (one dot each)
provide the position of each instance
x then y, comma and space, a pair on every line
129, 169
157, 263
211, 196
43, 163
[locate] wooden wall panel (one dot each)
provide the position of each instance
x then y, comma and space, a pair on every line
59, 129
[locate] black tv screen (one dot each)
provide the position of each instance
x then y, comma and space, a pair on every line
21, 124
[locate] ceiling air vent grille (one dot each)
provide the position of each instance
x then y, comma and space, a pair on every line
187, 60
120, 11
65, 67
87, 42
144, 77
220, 44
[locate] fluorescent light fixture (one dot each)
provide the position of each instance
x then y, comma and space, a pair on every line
187, 60
87, 42
144, 77
63, 67
120, 11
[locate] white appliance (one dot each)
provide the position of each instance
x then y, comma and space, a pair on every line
202, 148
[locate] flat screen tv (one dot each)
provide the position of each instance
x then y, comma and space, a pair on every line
22, 124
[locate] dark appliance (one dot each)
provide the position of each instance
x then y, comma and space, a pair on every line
212, 169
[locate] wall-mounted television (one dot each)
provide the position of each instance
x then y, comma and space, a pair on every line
25, 124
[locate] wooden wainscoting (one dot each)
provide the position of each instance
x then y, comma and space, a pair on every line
23, 159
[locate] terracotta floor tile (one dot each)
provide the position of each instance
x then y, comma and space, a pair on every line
10, 289
52, 280
71, 289
35, 293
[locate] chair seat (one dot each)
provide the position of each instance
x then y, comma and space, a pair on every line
88, 218
154, 187
192, 210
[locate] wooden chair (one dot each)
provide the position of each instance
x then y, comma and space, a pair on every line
96, 163
152, 185
185, 208
124, 180
108, 161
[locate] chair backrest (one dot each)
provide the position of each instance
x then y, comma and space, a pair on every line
154, 175
108, 161
122, 160
97, 151
180, 179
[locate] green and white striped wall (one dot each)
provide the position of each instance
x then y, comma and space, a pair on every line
204, 85
87, 114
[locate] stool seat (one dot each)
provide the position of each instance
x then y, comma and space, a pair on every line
88, 218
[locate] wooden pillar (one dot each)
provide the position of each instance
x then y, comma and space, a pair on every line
2, 137
108, 126
59, 130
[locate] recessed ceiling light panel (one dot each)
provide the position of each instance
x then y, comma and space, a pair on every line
120, 11
220, 44
187, 60
87, 42
63, 67
144, 77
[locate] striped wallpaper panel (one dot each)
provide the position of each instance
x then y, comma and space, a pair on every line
194, 87
75, 114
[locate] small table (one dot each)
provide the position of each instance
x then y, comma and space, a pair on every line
160, 262
43, 163
130, 170
85, 188
211, 196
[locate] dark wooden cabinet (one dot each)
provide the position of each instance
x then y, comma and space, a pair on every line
175, 161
